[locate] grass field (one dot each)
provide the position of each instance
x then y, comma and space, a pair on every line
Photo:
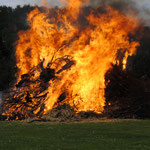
116, 135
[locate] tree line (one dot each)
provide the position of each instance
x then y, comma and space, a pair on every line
11, 21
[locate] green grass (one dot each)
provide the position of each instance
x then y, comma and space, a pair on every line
118, 135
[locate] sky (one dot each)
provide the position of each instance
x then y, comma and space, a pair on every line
14, 3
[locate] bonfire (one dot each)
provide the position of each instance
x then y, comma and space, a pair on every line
62, 59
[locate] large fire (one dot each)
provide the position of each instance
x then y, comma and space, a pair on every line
77, 49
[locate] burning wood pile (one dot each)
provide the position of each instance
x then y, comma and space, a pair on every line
63, 59
28, 99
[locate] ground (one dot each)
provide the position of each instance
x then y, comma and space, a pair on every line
104, 135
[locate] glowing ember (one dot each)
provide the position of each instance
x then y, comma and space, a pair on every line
80, 48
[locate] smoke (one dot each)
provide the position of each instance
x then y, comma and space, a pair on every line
144, 11
139, 8
120, 5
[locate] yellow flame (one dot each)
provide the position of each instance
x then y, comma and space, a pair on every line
93, 48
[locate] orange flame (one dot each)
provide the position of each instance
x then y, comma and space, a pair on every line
93, 46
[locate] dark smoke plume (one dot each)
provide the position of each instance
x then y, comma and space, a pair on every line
120, 5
